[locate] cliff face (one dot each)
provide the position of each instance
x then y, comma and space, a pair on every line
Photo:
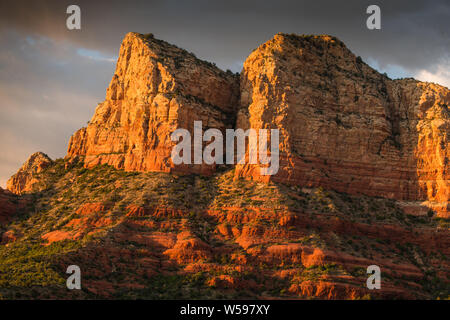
432, 151
156, 89
344, 126
25, 178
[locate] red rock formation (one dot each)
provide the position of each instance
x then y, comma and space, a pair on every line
26, 177
152, 243
91, 218
156, 89
188, 249
10, 205
57, 235
343, 125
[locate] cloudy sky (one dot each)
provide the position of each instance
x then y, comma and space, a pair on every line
51, 78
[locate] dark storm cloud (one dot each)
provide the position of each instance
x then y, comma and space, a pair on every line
51, 78
414, 33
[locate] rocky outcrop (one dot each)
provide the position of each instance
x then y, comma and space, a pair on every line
308, 257
26, 177
343, 125
156, 89
130, 231
10, 206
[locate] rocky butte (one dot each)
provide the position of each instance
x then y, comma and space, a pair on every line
26, 177
363, 180
343, 125
156, 89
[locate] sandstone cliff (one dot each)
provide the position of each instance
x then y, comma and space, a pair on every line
26, 177
156, 89
343, 125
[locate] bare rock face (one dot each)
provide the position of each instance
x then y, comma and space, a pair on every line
343, 125
25, 178
156, 89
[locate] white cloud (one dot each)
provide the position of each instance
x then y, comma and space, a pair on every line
438, 73
440, 76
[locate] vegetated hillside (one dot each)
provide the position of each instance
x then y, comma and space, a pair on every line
166, 236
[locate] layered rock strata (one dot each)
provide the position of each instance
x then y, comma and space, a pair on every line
27, 175
343, 125
156, 89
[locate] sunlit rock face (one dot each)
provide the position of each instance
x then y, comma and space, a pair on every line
349, 139
343, 125
156, 89
27, 176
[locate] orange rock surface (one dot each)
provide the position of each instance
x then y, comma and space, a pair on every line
26, 177
270, 255
156, 89
343, 125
